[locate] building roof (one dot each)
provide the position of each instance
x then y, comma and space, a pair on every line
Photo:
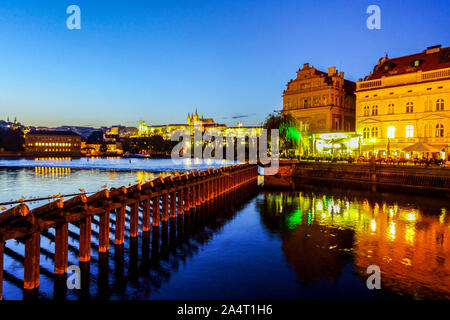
431, 59
54, 132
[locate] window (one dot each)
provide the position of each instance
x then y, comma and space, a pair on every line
375, 110
427, 131
439, 130
409, 107
366, 133
374, 132
409, 131
440, 104
391, 132
366, 110
390, 108
306, 103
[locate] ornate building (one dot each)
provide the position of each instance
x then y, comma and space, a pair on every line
403, 105
321, 102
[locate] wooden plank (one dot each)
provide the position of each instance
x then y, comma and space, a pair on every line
61, 248
173, 205
21, 210
32, 262
155, 211
134, 220
165, 207
85, 240
180, 198
103, 238
120, 226
146, 216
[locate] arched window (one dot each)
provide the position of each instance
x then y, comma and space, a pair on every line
366, 133
409, 131
391, 132
366, 110
374, 132
409, 107
391, 108
439, 104
439, 130
375, 110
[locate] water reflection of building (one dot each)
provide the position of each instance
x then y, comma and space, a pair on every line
412, 248
51, 172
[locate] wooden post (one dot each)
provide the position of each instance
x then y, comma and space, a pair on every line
192, 197
146, 216
134, 220
32, 261
186, 193
198, 200
180, 201
155, 211
103, 239
2, 247
173, 204
165, 207
120, 226
85, 239
61, 248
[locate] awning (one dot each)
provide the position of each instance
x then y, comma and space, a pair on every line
423, 147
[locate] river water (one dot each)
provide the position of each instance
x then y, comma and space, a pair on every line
311, 243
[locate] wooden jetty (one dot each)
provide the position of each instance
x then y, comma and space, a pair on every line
159, 201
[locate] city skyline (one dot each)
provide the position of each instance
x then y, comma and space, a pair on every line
231, 61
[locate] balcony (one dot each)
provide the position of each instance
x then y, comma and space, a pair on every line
395, 80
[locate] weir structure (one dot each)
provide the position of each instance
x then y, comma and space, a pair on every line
150, 204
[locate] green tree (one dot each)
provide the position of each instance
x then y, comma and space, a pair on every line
288, 127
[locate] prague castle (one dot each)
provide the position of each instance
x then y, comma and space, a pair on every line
403, 106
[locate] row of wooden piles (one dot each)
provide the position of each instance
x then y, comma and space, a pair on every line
152, 203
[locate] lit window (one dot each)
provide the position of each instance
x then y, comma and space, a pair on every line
391, 132
366, 133
409, 131
439, 130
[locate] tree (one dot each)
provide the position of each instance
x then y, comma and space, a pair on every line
288, 129
11, 140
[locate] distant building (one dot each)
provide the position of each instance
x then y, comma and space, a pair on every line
403, 105
321, 102
52, 143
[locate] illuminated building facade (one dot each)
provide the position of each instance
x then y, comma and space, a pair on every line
403, 106
321, 102
206, 123
52, 143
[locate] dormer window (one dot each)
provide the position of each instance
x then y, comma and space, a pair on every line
416, 63
388, 66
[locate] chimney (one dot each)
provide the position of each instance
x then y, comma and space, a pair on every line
341, 74
331, 71
433, 49
305, 65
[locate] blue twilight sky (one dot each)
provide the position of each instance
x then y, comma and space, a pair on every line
158, 60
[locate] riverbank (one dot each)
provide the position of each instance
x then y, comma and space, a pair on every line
374, 177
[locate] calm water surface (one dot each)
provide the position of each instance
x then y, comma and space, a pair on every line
307, 244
